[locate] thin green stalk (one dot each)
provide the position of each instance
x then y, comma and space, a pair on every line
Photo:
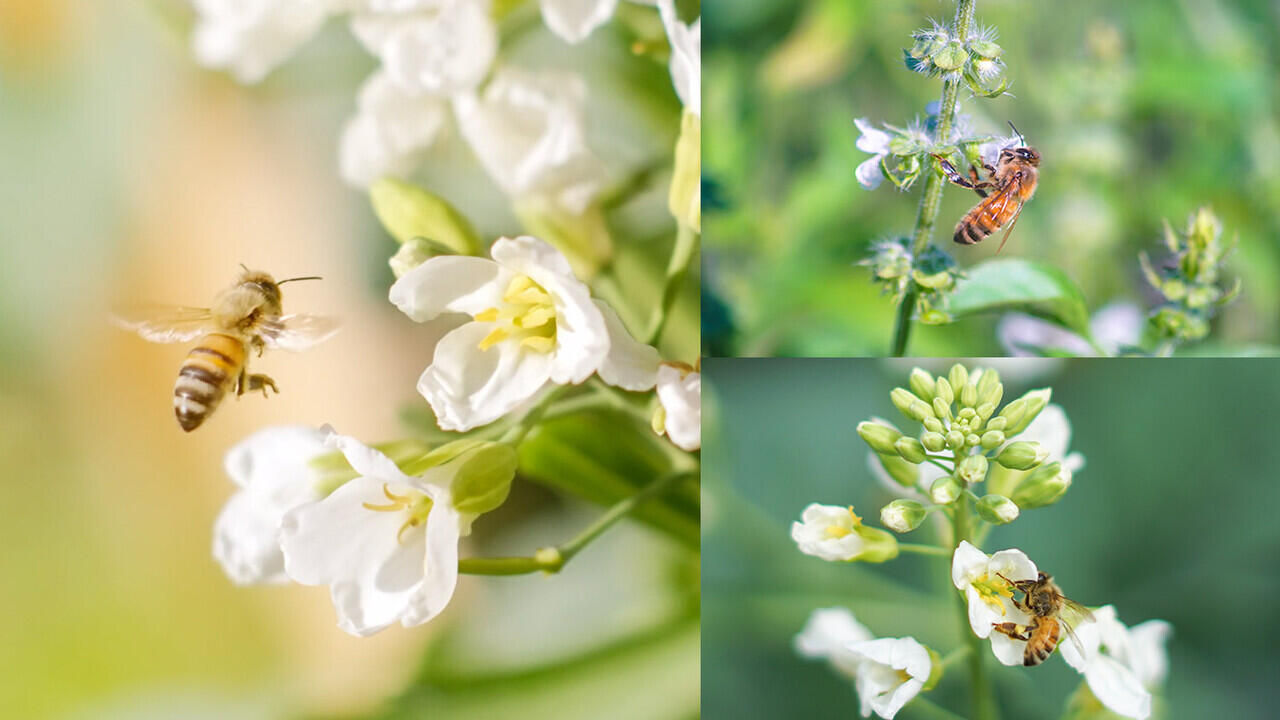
984, 705
552, 559
682, 255
924, 549
516, 435
931, 200
932, 709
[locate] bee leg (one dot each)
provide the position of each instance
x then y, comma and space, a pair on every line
258, 344
955, 177
973, 177
262, 382
1013, 630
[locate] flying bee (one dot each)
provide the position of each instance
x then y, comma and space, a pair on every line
245, 316
1052, 615
1012, 182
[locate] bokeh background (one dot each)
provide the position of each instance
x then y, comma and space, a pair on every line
1143, 110
130, 175
1171, 518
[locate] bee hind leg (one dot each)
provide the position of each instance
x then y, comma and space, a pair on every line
973, 177
260, 382
1013, 630
972, 182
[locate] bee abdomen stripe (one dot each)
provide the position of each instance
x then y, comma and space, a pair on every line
201, 374
219, 357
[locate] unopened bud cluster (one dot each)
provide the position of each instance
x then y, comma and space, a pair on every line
1189, 284
934, 274
940, 52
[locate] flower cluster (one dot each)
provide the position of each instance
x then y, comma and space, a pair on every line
1189, 283
940, 51
933, 273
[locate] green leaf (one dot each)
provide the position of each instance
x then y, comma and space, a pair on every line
408, 211
1035, 288
605, 457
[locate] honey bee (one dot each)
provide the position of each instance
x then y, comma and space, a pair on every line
1052, 614
1012, 182
244, 316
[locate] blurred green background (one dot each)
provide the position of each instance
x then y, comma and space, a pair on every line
129, 175
1143, 111
1172, 517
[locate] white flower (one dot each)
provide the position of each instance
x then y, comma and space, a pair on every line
534, 323
1113, 327
251, 37
1121, 664
827, 635
527, 129
386, 543
830, 532
680, 392
982, 578
574, 20
686, 56
391, 130
874, 141
890, 672
990, 151
443, 47
272, 468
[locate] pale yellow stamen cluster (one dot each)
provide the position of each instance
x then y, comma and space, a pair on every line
839, 531
528, 314
992, 589
418, 505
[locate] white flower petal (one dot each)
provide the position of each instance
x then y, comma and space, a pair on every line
390, 132
879, 682
990, 151
444, 526
968, 563
385, 593
827, 630
1118, 325
275, 462
1018, 333
246, 542
869, 173
450, 284
1013, 565
681, 398
573, 20
873, 140
1147, 655
368, 462
1118, 688
630, 364
444, 52
1007, 650
252, 37
468, 387
686, 56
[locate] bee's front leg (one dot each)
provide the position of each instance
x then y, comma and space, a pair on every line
1013, 630
955, 177
258, 344
262, 382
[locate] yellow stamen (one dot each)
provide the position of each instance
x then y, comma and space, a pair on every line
837, 531
992, 589
490, 315
493, 338
418, 505
536, 317
527, 315
538, 343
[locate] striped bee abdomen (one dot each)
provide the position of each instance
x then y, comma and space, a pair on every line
1044, 640
210, 368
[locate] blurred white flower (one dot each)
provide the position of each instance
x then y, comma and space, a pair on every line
680, 392
982, 579
990, 151
574, 20
534, 323
251, 37
889, 673
1052, 430
528, 131
1121, 664
874, 141
829, 532
272, 468
686, 56
390, 131
1113, 327
386, 543
443, 47
827, 635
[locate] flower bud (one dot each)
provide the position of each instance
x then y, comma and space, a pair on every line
1011, 415
933, 424
1034, 402
685, 197
902, 516
944, 392
941, 410
955, 439
990, 392
984, 410
879, 436
933, 441
936, 669
971, 440
1044, 487
922, 384
910, 449
408, 211
1022, 455
972, 469
985, 48
997, 423
968, 395
484, 478
945, 490
992, 439
997, 509
903, 400
904, 473
952, 57
878, 545
411, 254
959, 376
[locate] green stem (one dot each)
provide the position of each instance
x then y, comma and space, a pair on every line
682, 255
516, 435
932, 709
552, 559
954, 656
637, 181
931, 200
924, 549
949, 470
984, 705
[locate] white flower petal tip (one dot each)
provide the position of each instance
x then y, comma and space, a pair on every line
574, 20
251, 37
680, 394
870, 173
443, 49
630, 364
828, 632
390, 132
889, 673
1121, 665
686, 56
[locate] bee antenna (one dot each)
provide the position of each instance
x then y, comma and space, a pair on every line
244, 268
1021, 139
294, 279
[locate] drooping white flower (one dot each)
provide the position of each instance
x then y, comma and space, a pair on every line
528, 131
386, 543
984, 580
391, 130
680, 392
442, 47
1121, 665
686, 56
835, 533
533, 323
828, 633
1113, 327
273, 469
251, 37
889, 673
876, 142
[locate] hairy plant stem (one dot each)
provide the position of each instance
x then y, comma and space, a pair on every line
984, 705
931, 200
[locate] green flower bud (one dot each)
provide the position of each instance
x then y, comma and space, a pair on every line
933, 424
904, 473
1012, 415
937, 281
408, 211
903, 400
959, 376
952, 57
1044, 487
992, 439
955, 439
968, 395
967, 413
985, 48
935, 670
943, 391
879, 436
921, 384
910, 449
1022, 455
972, 469
984, 411
484, 478
972, 440
880, 545
997, 509
1035, 401
411, 254
997, 423
920, 411
945, 490
684, 199
933, 316
902, 516
941, 410
933, 441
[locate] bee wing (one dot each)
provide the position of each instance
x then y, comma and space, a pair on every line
297, 332
1072, 614
1011, 191
165, 323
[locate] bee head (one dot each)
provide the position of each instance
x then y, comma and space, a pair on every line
1029, 154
